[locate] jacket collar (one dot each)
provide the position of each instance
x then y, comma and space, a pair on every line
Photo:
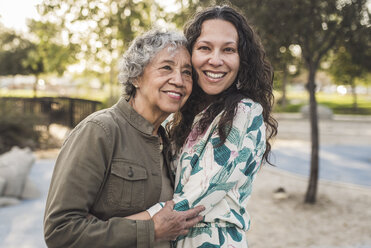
134, 119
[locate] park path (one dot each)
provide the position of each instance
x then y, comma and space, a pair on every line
345, 148
341, 129
21, 225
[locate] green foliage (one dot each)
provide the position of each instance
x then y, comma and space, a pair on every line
273, 27
18, 130
317, 26
49, 54
46, 54
187, 9
351, 62
344, 70
13, 51
101, 29
357, 37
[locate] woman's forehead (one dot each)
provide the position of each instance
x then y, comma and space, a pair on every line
218, 30
171, 53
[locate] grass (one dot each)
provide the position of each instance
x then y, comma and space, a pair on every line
340, 104
96, 95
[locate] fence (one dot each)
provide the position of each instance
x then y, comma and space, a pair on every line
61, 110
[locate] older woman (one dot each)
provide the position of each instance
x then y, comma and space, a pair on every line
112, 165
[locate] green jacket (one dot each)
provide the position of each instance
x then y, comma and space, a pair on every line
108, 168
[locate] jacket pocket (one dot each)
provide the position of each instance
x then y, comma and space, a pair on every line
126, 184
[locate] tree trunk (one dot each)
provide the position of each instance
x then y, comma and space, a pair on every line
35, 86
314, 165
284, 84
354, 93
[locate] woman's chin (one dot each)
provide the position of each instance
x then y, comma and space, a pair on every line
212, 91
169, 109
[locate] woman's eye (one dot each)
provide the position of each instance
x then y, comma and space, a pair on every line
230, 50
203, 48
166, 67
188, 72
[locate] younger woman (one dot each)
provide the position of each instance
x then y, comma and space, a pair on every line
221, 140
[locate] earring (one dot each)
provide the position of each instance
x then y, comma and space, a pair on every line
238, 85
135, 84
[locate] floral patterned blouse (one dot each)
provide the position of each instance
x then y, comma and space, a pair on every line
220, 178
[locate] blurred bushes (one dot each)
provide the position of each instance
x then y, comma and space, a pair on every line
337, 108
289, 108
18, 130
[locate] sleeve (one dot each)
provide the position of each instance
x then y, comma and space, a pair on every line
220, 167
78, 175
205, 179
155, 208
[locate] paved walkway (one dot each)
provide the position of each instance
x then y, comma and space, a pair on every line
21, 226
345, 147
342, 129
345, 156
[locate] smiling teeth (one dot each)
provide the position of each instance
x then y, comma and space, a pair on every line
174, 94
214, 75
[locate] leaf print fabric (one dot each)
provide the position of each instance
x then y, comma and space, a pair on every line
220, 178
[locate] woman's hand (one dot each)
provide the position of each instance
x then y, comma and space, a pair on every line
170, 224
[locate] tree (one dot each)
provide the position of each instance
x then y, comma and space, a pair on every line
43, 52
286, 64
317, 26
186, 10
48, 54
277, 42
345, 71
321, 26
13, 50
278, 50
352, 58
103, 29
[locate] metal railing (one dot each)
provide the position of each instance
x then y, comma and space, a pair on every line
61, 110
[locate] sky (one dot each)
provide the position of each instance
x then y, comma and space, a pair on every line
14, 13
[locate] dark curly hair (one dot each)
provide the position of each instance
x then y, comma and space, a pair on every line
255, 81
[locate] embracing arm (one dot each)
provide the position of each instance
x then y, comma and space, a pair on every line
170, 224
139, 216
77, 177
210, 176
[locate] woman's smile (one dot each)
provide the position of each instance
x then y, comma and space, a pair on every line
174, 95
214, 75
165, 84
215, 56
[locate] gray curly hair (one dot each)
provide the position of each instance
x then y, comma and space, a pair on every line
140, 53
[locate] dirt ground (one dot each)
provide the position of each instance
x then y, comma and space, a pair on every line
342, 215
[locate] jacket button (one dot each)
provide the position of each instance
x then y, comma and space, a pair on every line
130, 172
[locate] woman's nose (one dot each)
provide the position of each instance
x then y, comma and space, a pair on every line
215, 59
177, 79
